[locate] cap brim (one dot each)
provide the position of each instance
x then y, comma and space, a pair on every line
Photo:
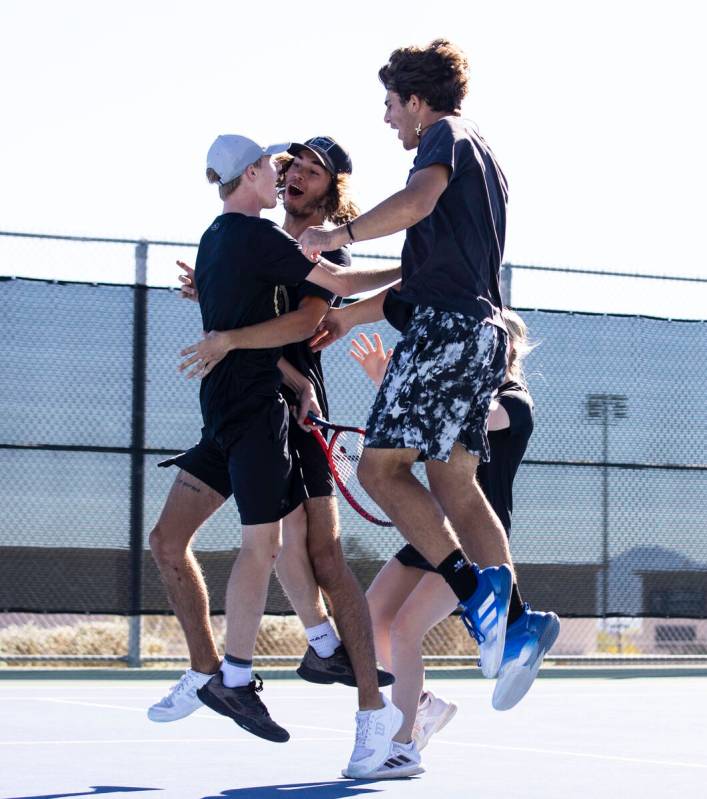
296, 148
273, 149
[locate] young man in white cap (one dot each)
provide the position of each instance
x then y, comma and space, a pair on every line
241, 262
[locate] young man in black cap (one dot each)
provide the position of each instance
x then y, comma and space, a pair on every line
314, 185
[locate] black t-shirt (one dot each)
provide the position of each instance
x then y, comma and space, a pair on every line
507, 450
242, 263
451, 259
300, 354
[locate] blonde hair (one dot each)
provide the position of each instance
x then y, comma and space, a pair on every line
520, 344
225, 189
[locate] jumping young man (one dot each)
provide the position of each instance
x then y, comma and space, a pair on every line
242, 264
434, 401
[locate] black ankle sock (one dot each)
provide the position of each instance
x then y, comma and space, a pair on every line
459, 574
515, 611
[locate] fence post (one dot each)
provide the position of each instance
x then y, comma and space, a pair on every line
137, 457
506, 280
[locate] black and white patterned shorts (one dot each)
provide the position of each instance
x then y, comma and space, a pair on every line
438, 386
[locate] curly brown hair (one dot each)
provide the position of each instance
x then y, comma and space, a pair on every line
339, 208
437, 73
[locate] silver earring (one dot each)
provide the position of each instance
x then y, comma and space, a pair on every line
418, 129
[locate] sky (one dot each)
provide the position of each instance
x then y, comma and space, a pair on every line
593, 110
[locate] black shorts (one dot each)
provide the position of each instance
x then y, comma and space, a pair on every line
310, 475
309, 456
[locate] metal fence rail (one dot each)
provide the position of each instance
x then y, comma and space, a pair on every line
606, 451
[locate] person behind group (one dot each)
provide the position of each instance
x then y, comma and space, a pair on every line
435, 396
408, 598
241, 263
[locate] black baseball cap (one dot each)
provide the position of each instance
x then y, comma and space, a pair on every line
331, 155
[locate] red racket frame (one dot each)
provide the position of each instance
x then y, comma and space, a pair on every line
327, 447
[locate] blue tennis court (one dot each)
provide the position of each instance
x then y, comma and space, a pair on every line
571, 737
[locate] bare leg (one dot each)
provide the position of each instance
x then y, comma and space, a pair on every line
294, 570
189, 504
348, 603
480, 531
247, 589
386, 476
431, 601
386, 595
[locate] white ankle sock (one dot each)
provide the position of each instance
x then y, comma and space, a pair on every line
236, 675
322, 638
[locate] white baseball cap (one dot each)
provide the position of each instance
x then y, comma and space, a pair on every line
230, 155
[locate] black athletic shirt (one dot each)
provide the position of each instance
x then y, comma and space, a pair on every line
451, 259
300, 354
241, 265
507, 449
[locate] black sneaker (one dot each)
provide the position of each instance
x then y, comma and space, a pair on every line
244, 706
336, 668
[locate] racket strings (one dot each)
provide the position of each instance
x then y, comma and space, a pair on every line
346, 450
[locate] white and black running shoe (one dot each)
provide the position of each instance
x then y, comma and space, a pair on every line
374, 735
403, 761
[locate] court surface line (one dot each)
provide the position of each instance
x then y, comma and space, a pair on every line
552, 752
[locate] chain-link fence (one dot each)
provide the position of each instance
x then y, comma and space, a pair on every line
609, 512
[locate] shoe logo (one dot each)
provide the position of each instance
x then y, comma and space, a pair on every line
380, 728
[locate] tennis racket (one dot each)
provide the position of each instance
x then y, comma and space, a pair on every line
343, 452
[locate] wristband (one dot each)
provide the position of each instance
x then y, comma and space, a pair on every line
349, 229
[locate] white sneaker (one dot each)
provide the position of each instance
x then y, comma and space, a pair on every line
374, 734
181, 699
432, 714
403, 761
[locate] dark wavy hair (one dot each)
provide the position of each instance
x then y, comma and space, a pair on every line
339, 208
437, 73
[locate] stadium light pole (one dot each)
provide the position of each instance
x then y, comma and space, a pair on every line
604, 409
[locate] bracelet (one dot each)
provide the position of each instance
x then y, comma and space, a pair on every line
349, 228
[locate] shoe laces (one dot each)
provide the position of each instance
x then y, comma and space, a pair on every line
363, 722
183, 684
477, 635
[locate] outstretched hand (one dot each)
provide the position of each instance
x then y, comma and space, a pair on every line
188, 290
373, 358
204, 355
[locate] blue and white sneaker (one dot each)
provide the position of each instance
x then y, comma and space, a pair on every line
485, 614
528, 640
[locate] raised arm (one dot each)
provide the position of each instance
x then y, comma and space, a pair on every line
400, 211
349, 280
